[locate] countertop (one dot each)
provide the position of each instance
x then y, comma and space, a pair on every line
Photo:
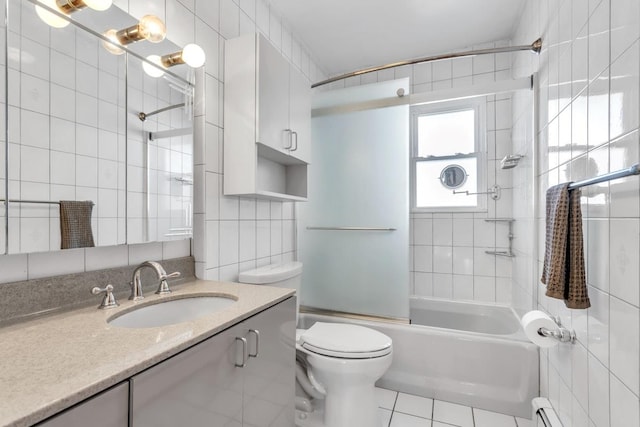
52, 363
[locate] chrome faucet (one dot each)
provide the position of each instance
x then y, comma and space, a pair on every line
163, 286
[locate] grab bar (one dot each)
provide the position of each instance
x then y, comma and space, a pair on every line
352, 228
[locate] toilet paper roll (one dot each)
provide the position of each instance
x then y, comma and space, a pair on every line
532, 322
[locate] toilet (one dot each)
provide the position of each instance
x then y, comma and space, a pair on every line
338, 363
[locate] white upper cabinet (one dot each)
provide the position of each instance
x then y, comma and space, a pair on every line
300, 115
272, 92
267, 122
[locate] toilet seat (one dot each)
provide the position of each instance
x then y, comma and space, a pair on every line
344, 341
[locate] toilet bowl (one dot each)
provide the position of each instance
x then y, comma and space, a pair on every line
338, 363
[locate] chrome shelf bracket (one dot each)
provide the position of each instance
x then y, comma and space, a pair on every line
508, 253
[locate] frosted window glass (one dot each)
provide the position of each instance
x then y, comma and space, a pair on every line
430, 193
447, 133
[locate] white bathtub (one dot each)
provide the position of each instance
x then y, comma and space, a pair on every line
467, 353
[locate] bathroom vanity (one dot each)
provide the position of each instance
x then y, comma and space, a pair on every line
234, 366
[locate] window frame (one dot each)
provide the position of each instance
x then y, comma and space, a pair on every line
478, 105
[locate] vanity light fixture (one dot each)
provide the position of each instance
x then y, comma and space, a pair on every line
66, 7
191, 54
150, 28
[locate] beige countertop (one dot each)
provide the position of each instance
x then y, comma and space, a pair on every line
52, 363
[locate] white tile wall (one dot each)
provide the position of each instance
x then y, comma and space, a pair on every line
588, 125
45, 264
240, 233
449, 259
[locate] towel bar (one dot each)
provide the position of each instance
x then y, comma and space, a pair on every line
633, 170
352, 228
46, 202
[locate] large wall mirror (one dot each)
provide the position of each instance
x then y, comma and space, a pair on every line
85, 124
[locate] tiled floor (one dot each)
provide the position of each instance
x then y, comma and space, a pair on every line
405, 410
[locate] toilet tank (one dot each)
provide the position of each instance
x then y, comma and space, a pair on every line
285, 275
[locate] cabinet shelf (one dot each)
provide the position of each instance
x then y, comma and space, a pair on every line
279, 197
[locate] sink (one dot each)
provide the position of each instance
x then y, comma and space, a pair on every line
171, 311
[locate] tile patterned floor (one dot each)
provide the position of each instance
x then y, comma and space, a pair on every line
405, 410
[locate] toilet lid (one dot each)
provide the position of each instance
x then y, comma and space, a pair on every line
345, 341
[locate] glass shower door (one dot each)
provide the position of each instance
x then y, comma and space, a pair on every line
354, 231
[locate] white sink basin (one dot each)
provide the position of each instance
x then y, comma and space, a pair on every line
171, 311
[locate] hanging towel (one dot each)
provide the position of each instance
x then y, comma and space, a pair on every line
75, 224
563, 269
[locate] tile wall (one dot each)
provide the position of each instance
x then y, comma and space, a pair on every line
447, 258
231, 234
448, 249
588, 125
240, 233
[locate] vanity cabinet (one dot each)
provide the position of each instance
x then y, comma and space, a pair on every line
267, 122
107, 409
243, 376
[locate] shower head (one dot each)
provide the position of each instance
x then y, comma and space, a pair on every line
510, 161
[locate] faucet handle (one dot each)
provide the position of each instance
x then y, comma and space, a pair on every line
170, 275
163, 287
109, 300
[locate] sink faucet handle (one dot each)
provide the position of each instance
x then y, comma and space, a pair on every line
170, 275
109, 300
163, 287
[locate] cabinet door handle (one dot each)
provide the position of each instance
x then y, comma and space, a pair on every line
296, 135
245, 354
257, 334
290, 132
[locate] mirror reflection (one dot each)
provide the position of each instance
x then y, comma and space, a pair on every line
160, 157
453, 176
87, 125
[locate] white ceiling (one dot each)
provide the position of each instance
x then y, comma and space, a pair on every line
346, 35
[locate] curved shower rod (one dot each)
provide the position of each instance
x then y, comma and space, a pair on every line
536, 46
143, 116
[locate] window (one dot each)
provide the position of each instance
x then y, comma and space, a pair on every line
447, 155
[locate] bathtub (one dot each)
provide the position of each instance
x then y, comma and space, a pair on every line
467, 353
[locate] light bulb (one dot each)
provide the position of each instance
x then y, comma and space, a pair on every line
48, 17
98, 4
113, 46
150, 69
152, 28
193, 55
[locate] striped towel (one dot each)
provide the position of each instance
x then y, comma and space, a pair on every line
75, 224
563, 269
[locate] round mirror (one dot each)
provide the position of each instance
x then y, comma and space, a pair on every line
453, 176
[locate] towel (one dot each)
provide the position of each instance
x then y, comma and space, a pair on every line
563, 270
75, 224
